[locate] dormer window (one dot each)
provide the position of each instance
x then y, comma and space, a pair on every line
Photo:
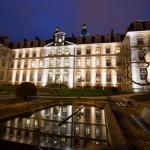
140, 41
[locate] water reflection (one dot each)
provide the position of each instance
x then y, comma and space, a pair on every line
42, 128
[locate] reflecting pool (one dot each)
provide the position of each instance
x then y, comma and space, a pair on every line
59, 127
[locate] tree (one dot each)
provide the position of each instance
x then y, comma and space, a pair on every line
26, 89
134, 57
80, 80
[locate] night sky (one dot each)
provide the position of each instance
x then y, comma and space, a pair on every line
21, 19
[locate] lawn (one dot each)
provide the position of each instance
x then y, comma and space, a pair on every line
141, 98
84, 92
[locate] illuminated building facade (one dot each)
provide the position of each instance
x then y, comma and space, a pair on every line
65, 60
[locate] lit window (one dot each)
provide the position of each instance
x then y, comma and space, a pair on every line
41, 63
66, 52
77, 129
41, 53
27, 123
88, 76
107, 50
58, 62
63, 128
52, 52
88, 62
78, 62
66, 77
59, 52
87, 130
97, 131
33, 64
66, 62
98, 50
51, 64
98, 62
143, 73
117, 50
63, 140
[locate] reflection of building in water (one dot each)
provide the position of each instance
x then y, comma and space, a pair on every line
87, 125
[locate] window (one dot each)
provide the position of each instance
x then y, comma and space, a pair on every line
78, 62
13, 55
3, 62
51, 63
59, 52
11, 132
98, 63
76, 142
98, 114
87, 130
55, 127
87, 113
34, 54
107, 50
140, 41
108, 76
12, 122
98, 51
31, 76
19, 122
20, 55
98, 76
138, 27
63, 140
117, 49
26, 135
66, 62
66, 52
19, 64
41, 53
27, 123
27, 54
17, 76
63, 128
88, 76
33, 64
12, 65
141, 55
18, 133
1, 75
77, 128
97, 131
66, 77
78, 75
10, 76
78, 52
41, 63
119, 77
25, 64
88, 51
108, 62
52, 52
24, 76
88, 62
58, 62
118, 63
143, 73
39, 75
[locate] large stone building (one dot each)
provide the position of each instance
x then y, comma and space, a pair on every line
95, 59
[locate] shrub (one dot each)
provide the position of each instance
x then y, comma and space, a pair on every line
114, 89
26, 89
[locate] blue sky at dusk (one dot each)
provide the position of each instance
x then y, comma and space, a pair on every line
21, 19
